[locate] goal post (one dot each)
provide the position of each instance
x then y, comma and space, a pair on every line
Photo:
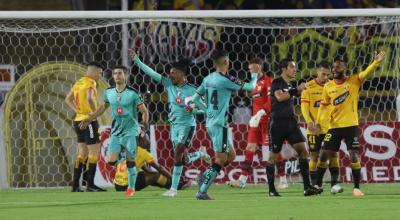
38, 137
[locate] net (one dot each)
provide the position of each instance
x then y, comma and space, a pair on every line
46, 57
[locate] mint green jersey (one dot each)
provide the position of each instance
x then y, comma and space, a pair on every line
124, 111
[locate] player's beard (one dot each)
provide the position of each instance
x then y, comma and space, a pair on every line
338, 75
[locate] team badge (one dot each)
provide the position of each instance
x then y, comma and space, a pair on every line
120, 110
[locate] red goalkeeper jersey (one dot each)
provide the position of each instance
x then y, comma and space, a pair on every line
261, 96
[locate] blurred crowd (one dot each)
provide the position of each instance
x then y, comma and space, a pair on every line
230, 4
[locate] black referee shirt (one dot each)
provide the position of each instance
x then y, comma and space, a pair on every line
283, 109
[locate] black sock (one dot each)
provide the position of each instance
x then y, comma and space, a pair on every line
270, 168
334, 175
84, 174
313, 176
77, 172
305, 173
320, 175
168, 184
91, 172
356, 177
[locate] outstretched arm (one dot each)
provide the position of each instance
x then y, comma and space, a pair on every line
252, 84
370, 69
146, 69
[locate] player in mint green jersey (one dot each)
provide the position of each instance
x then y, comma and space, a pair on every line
125, 103
217, 89
181, 116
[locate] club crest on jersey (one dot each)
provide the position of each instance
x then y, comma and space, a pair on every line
341, 98
178, 100
317, 103
120, 110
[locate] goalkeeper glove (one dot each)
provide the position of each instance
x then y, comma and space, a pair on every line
255, 120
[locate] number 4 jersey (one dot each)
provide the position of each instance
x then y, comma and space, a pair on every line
217, 89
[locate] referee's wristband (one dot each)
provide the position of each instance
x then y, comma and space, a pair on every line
293, 91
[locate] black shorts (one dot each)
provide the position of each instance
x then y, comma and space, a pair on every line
334, 137
140, 183
90, 135
315, 142
281, 129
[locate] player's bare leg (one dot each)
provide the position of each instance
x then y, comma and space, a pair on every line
309, 190
356, 171
80, 164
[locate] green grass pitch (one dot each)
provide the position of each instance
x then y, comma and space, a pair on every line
382, 201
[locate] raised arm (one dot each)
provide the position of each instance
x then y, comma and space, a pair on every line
370, 69
146, 69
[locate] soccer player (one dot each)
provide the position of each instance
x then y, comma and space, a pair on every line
217, 89
181, 116
284, 126
82, 99
258, 130
339, 106
125, 103
310, 101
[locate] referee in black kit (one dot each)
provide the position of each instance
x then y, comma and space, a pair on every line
283, 126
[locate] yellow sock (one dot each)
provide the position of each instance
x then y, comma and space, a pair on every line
79, 160
92, 159
312, 166
322, 164
162, 180
356, 166
334, 162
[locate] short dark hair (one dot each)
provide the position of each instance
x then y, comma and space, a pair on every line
182, 64
324, 64
124, 68
219, 54
256, 60
284, 64
95, 64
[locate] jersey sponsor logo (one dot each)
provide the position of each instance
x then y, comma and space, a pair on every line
340, 99
317, 103
120, 110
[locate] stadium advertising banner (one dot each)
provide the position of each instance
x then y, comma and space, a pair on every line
379, 149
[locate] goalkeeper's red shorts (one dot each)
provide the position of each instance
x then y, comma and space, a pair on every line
259, 135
